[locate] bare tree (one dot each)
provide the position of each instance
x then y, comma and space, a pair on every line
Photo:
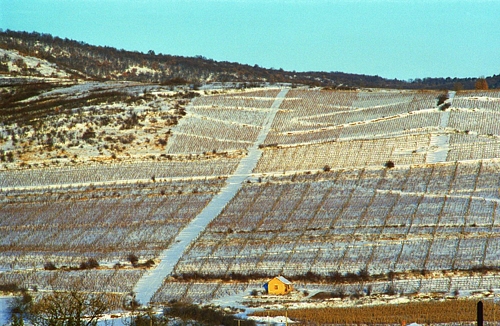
481, 84
74, 308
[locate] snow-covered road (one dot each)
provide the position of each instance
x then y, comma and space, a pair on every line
440, 142
153, 279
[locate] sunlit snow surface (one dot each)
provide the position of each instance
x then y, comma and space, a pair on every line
4, 310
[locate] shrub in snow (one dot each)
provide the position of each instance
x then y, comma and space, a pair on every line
49, 266
133, 259
444, 106
149, 263
442, 98
89, 264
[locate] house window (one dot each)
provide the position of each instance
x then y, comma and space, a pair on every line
276, 286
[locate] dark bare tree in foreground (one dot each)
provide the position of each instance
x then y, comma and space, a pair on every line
69, 308
73, 308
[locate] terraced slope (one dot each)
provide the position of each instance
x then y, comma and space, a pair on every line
383, 185
150, 283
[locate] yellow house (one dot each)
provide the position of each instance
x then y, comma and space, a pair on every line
278, 285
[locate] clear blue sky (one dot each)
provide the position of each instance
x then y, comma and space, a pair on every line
390, 38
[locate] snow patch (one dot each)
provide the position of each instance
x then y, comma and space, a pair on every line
439, 148
43, 67
278, 320
4, 310
141, 70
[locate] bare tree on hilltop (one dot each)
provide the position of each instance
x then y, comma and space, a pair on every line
481, 84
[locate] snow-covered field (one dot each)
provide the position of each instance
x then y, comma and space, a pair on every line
113, 169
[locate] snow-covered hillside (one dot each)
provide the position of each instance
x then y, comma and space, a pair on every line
23, 65
203, 195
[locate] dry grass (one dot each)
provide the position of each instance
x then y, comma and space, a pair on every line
430, 312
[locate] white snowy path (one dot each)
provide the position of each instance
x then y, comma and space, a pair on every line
153, 279
440, 143
4, 310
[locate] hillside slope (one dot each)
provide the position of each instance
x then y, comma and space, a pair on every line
82, 60
133, 164
368, 193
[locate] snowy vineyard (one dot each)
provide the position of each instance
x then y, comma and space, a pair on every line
202, 292
314, 128
355, 153
111, 281
321, 199
433, 218
117, 172
69, 225
222, 123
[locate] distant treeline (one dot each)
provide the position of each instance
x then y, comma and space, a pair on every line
107, 63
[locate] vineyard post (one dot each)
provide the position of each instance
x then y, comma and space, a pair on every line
480, 313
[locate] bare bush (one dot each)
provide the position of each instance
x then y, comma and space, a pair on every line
68, 308
89, 264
